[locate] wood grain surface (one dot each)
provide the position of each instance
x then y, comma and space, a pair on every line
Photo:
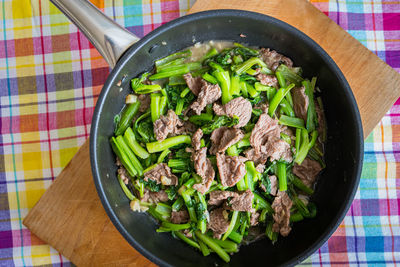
70, 217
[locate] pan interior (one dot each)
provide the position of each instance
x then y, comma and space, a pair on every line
336, 186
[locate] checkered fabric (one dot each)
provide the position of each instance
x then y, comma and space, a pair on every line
51, 76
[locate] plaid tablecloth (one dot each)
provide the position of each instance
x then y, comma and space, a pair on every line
51, 76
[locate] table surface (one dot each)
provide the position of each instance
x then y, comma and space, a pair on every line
50, 78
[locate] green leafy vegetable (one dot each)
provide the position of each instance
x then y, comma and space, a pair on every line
218, 122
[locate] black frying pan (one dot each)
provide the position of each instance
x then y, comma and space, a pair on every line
344, 149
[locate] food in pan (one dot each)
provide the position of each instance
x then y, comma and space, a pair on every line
222, 144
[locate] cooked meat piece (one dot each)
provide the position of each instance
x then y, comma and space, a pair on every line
260, 168
239, 107
144, 102
166, 125
196, 139
194, 84
300, 102
218, 197
281, 206
269, 80
307, 171
266, 142
231, 169
266, 128
273, 59
254, 218
154, 197
209, 93
185, 128
204, 168
218, 223
218, 109
179, 217
162, 174
274, 184
171, 125
257, 158
224, 137
277, 149
242, 202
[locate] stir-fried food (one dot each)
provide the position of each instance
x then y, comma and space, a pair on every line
217, 145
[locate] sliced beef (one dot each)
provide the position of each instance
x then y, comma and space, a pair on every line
154, 197
224, 137
218, 197
218, 222
144, 102
273, 59
185, 127
239, 107
269, 80
300, 102
266, 142
204, 168
254, 218
166, 125
161, 174
277, 149
179, 217
265, 129
307, 171
281, 206
209, 93
194, 84
257, 158
196, 138
274, 184
218, 109
242, 202
231, 169
171, 125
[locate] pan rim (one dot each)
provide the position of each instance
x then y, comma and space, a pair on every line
221, 13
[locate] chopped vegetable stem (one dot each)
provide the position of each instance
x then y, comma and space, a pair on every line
130, 139
215, 247
127, 192
135, 162
281, 173
159, 146
235, 214
126, 117
181, 54
292, 122
187, 240
276, 100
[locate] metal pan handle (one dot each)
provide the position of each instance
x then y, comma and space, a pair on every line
109, 38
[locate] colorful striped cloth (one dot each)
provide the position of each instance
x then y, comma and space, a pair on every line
51, 76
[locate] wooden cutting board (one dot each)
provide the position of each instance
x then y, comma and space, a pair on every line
70, 217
